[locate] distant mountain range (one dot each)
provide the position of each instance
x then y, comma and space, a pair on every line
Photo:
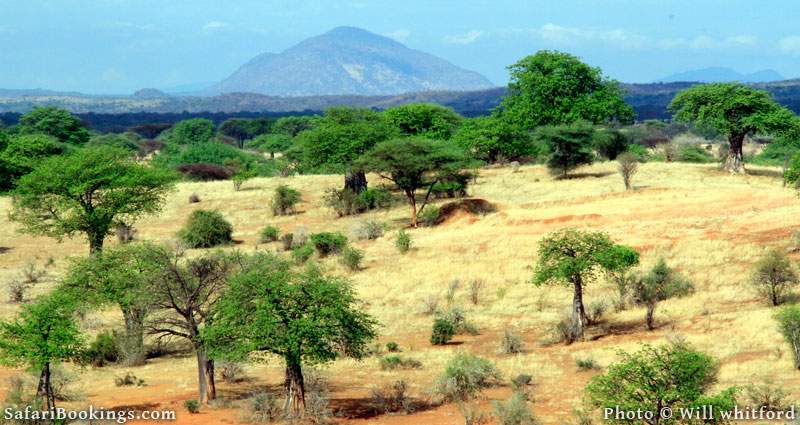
348, 61
721, 75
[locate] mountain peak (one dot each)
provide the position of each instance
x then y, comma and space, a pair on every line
348, 60
719, 74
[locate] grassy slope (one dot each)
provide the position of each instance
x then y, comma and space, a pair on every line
710, 225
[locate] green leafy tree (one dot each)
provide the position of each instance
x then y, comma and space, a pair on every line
88, 191
672, 376
415, 163
241, 129
304, 317
660, 284
774, 276
573, 257
570, 146
272, 143
21, 155
127, 141
424, 119
55, 122
552, 88
191, 132
43, 334
294, 125
493, 138
121, 276
340, 137
610, 143
735, 110
788, 318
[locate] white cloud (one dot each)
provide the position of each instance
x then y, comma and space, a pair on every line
790, 45
399, 35
463, 38
572, 36
214, 25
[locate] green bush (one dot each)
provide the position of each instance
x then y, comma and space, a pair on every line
284, 200
610, 143
640, 152
694, 153
587, 363
792, 174
465, 376
103, 349
302, 253
514, 411
369, 230
192, 406
206, 229
429, 216
394, 361
346, 202
351, 258
511, 343
376, 198
452, 186
789, 325
327, 243
442, 332
778, 152
403, 241
204, 153
392, 347
269, 234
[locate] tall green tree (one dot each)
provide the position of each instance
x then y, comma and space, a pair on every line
55, 122
570, 146
121, 276
735, 110
272, 143
552, 88
424, 119
340, 137
22, 153
294, 125
493, 138
88, 191
193, 131
660, 284
242, 129
305, 317
575, 258
43, 334
672, 376
415, 163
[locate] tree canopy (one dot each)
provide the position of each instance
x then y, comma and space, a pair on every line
424, 119
735, 110
551, 88
88, 191
22, 153
55, 122
191, 132
570, 146
493, 138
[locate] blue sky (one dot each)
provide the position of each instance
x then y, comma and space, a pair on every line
118, 46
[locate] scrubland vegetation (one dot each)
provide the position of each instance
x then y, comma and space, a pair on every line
410, 265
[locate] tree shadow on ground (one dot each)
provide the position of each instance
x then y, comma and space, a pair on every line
573, 176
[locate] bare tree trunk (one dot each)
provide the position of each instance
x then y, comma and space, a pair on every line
735, 161
202, 383
211, 384
413, 201
96, 240
133, 353
45, 388
649, 316
295, 390
578, 311
355, 181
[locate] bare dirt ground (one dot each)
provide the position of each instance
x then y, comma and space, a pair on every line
710, 225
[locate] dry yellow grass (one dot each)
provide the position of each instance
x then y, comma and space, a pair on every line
710, 225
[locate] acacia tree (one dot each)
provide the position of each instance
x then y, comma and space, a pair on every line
193, 131
43, 334
673, 376
55, 122
182, 299
424, 119
121, 276
552, 88
774, 276
734, 110
304, 317
415, 163
88, 191
660, 284
573, 257
570, 146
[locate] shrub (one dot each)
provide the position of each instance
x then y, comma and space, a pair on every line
660, 284
376, 198
346, 202
369, 230
510, 343
302, 253
640, 152
128, 380
284, 200
269, 234
102, 350
194, 198
205, 172
17, 290
567, 329
628, 166
192, 406
452, 186
521, 382
765, 395
317, 410
442, 332
230, 371
466, 375
394, 361
514, 411
452, 287
327, 243
287, 241
264, 408
457, 317
475, 287
693, 153
392, 347
595, 311
391, 398
429, 216
472, 414
430, 304
789, 325
351, 258
773, 276
403, 241
206, 229
587, 363
126, 233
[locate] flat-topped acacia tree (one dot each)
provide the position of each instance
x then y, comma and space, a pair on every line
735, 110
88, 191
